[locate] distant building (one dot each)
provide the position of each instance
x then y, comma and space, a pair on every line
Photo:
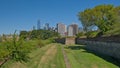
72, 30
34, 28
61, 28
75, 29
46, 27
51, 29
38, 25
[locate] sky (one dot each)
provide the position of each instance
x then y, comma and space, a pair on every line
24, 14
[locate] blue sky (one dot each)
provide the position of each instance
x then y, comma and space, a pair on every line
23, 14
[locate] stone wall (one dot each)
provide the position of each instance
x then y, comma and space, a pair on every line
66, 41
60, 40
70, 41
110, 49
107, 48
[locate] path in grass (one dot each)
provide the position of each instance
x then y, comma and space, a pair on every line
66, 59
80, 58
49, 56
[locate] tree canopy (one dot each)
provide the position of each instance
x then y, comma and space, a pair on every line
102, 16
38, 34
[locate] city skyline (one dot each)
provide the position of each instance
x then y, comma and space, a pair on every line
24, 14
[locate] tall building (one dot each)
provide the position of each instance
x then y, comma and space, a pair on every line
38, 25
72, 30
33, 27
46, 26
75, 29
61, 28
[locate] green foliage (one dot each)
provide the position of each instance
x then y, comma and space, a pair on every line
39, 34
114, 31
24, 34
3, 52
0, 38
102, 16
80, 34
54, 58
18, 51
40, 43
92, 34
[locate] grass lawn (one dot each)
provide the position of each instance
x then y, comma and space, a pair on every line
80, 58
49, 56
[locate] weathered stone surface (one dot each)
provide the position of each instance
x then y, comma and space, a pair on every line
70, 41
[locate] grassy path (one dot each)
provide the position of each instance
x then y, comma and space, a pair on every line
66, 58
80, 58
49, 56
54, 56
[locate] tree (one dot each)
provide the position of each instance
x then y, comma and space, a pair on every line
86, 19
105, 17
18, 52
102, 16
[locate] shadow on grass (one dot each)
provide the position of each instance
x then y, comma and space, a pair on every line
103, 56
76, 47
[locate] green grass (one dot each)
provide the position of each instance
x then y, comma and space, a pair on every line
49, 56
80, 58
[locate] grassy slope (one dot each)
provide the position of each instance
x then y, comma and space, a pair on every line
49, 56
80, 58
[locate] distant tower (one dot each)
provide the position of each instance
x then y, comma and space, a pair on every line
33, 27
61, 28
38, 25
72, 30
46, 26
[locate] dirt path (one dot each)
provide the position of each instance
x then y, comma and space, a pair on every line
49, 54
66, 58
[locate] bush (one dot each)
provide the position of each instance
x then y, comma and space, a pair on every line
40, 43
3, 52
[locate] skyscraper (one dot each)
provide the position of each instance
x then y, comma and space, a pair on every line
38, 25
72, 29
61, 28
46, 26
75, 29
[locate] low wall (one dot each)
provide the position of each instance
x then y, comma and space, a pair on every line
66, 41
110, 49
60, 40
70, 41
